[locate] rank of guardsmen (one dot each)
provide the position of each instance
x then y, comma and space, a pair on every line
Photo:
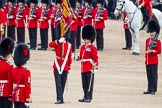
16, 15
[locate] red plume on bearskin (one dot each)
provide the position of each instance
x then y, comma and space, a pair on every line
89, 32
6, 46
21, 54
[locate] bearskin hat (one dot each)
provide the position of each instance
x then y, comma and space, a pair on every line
1, 3
6, 46
58, 1
45, 1
33, 1
101, 1
21, 54
53, 0
73, 3
79, 1
89, 1
23, 1
89, 32
13, 1
153, 26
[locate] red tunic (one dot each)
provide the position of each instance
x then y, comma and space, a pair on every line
21, 18
53, 15
2, 17
100, 24
88, 20
56, 16
87, 53
58, 51
152, 58
74, 26
5, 78
43, 24
11, 21
22, 77
80, 20
147, 4
33, 21
125, 25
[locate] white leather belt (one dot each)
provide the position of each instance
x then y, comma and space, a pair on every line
87, 60
20, 85
3, 81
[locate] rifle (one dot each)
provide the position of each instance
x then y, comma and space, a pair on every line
20, 11
152, 44
10, 12
45, 11
100, 12
33, 11
89, 10
58, 14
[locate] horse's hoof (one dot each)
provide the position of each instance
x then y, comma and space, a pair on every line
135, 53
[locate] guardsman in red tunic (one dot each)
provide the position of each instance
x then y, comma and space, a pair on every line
20, 21
88, 11
100, 15
43, 24
153, 48
6, 49
128, 35
80, 22
33, 16
21, 77
53, 16
62, 65
146, 8
57, 18
11, 16
89, 62
74, 26
2, 20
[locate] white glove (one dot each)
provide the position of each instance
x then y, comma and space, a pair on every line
126, 20
76, 57
27, 105
140, 6
94, 71
61, 40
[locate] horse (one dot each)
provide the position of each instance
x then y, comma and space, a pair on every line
135, 19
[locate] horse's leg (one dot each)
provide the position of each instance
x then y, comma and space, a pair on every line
136, 42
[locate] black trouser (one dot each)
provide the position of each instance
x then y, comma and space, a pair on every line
73, 40
78, 38
145, 13
19, 105
33, 37
44, 38
4, 102
11, 32
152, 77
68, 34
21, 35
58, 31
86, 80
128, 38
53, 33
60, 80
100, 39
